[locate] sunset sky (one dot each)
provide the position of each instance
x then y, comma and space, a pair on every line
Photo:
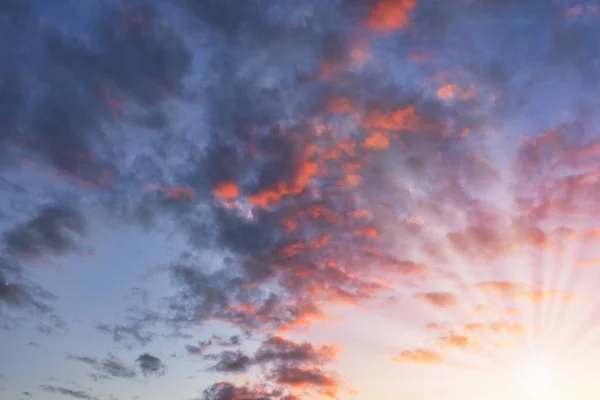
299, 199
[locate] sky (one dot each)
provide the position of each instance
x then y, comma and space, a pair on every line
299, 199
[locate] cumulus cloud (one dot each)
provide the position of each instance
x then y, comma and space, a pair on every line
150, 365
231, 361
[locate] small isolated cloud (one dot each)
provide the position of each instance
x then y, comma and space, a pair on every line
455, 340
75, 393
438, 326
438, 299
150, 365
421, 356
135, 331
109, 367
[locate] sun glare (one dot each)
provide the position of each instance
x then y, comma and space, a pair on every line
536, 379
539, 379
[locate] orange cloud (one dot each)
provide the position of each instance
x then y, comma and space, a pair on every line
522, 292
390, 15
377, 140
593, 262
400, 119
226, 190
538, 296
367, 232
306, 170
504, 326
499, 286
592, 233
450, 91
438, 326
497, 327
458, 341
474, 327
438, 299
422, 356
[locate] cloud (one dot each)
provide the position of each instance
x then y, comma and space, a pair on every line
312, 176
231, 362
228, 391
78, 394
280, 350
85, 85
422, 356
150, 365
390, 15
454, 340
522, 292
438, 299
52, 232
310, 378
198, 349
111, 366
288, 365
136, 330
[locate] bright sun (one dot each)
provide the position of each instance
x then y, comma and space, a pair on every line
537, 379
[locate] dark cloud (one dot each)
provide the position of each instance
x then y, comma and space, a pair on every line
111, 366
21, 295
150, 365
228, 391
78, 394
199, 348
131, 57
280, 350
231, 362
137, 330
53, 232
300, 377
